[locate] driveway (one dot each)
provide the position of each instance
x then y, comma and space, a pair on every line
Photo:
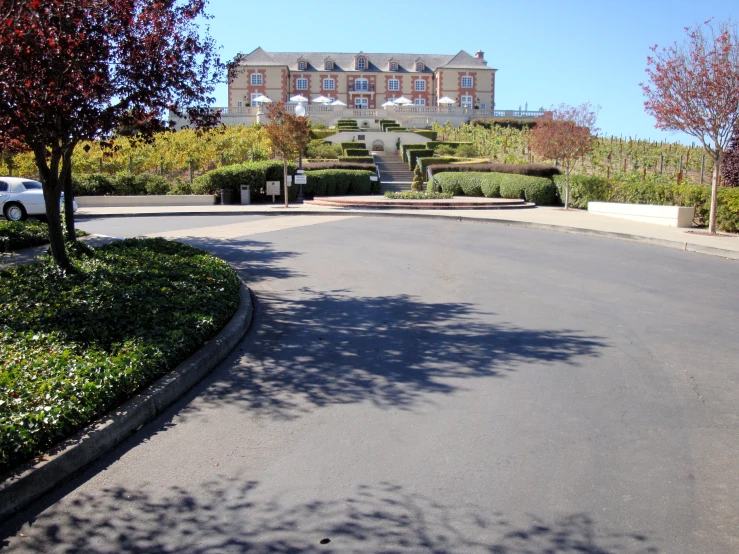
432, 386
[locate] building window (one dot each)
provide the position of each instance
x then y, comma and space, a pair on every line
256, 79
483, 106
420, 85
393, 66
420, 101
301, 66
466, 102
328, 84
253, 96
301, 84
419, 67
393, 84
361, 84
329, 66
239, 104
361, 64
466, 82
361, 103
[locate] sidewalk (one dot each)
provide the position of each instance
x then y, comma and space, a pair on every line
556, 219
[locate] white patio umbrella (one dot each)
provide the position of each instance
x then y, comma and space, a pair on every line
298, 98
337, 103
262, 99
388, 104
403, 100
321, 100
446, 100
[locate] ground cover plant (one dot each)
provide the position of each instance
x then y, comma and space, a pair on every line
76, 344
15, 235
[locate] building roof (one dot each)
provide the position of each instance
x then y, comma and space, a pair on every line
344, 61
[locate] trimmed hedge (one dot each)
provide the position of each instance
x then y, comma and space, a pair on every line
415, 155
539, 190
357, 159
534, 170
122, 184
467, 184
332, 182
405, 147
431, 145
425, 163
346, 145
339, 165
431, 135
320, 134
519, 124
253, 174
584, 189
353, 152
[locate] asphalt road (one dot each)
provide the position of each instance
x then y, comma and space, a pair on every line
429, 386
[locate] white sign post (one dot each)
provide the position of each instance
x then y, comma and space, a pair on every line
273, 189
301, 179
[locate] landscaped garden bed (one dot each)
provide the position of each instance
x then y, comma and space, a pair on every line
15, 235
77, 344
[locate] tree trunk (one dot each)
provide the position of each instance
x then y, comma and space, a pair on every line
567, 186
52, 193
717, 155
68, 196
284, 175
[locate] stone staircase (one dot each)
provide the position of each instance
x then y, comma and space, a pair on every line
394, 173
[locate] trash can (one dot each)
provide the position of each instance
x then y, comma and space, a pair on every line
226, 196
245, 194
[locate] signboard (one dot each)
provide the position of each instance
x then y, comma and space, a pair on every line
301, 179
299, 171
373, 177
273, 188
360, 137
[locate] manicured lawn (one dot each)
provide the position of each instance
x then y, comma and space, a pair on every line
76, 345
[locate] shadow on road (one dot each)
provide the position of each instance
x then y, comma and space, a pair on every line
235, 518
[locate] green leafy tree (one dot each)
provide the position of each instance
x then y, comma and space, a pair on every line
288, 134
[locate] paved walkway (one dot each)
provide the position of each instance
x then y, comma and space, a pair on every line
574, 221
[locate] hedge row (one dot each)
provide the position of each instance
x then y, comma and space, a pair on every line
340, 165
320, 134
122, 184
434, 143
345, 145
519, 124
339, 182
415, 155
253, 174
539, 190
431, 135
357, 159
353, 152
404, 148
534, 170
584, 189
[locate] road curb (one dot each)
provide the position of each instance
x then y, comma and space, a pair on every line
677, 245
33, 481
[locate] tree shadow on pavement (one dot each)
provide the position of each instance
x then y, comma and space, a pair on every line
311, 348
229, 516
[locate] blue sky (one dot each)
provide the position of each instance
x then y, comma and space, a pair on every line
546, 52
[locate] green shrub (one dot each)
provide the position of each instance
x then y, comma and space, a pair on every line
77, 344
345, 145
414, 155
539, 190
467, 184
337, 182
434, 144
253, 174
15, 235
96, 184
320, 134
535, 170
354, 152
322, 149
444, 150
121, 184
519, 124
466, 151
357, 159
431, 135
584, 189
425, 163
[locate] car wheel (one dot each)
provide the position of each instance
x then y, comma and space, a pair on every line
14, 212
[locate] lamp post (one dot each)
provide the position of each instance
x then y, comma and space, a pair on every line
300, 112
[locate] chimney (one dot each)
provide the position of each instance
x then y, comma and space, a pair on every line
480, 55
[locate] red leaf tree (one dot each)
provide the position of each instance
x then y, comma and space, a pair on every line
566, 134
288, 134
694, 87
73, 70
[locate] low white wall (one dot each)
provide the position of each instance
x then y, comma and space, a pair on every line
152, 200
671, 216
389, 140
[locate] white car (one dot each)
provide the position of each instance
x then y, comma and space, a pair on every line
20, 197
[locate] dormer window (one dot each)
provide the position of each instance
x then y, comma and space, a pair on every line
419, 66
329, 65
393, 66
301, 66
361, 64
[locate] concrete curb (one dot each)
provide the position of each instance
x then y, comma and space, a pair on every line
57, 465
678, 245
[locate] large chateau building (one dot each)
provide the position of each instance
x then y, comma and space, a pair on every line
362, 80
